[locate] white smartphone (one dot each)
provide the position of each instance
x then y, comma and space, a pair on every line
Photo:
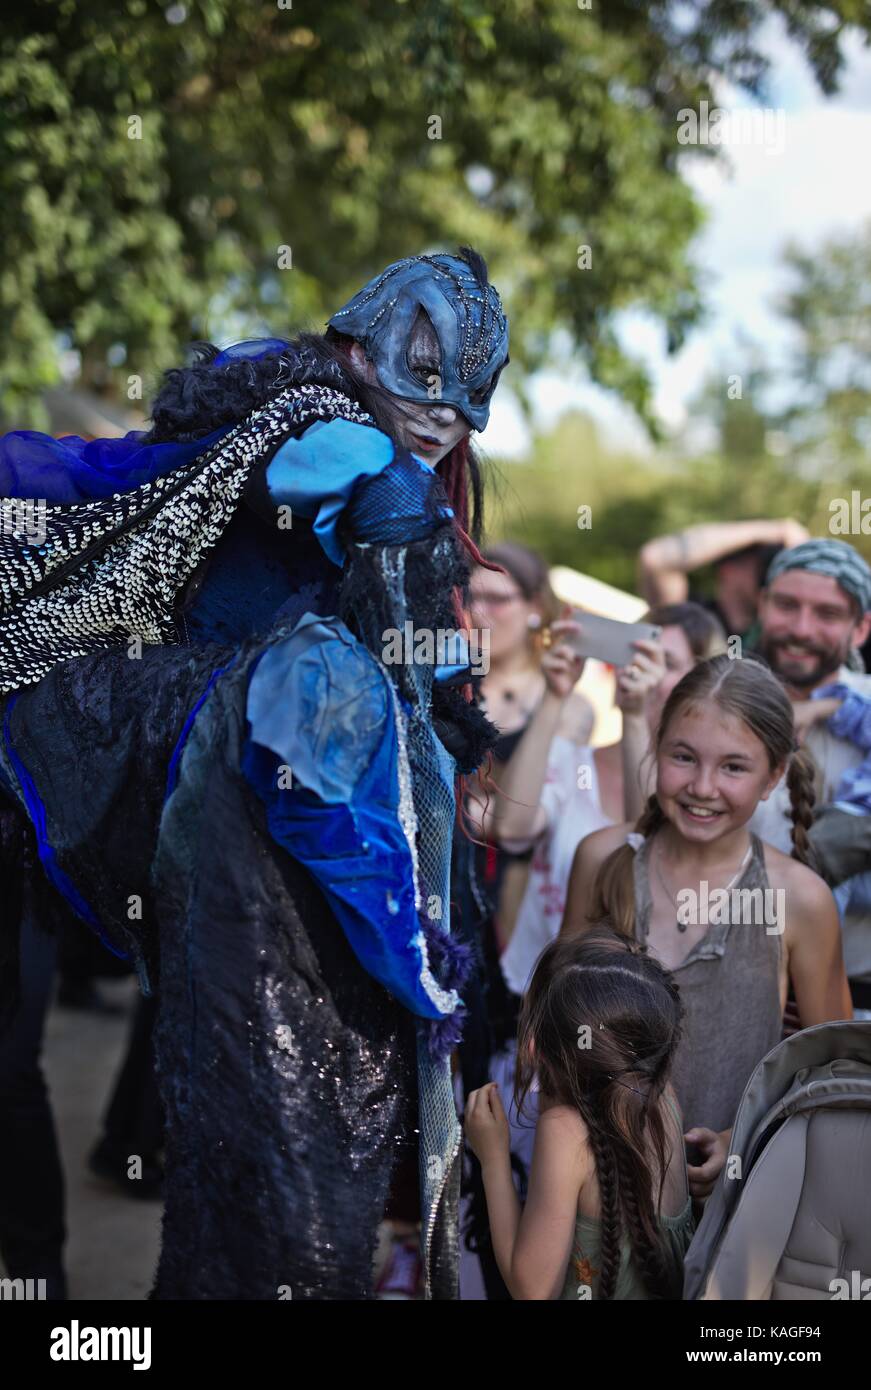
608, 640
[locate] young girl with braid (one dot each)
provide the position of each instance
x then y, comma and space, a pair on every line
724, 740
608, 1213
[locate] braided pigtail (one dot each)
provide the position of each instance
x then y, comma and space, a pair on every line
647, 1251
613, 896
800, 783
609, 1195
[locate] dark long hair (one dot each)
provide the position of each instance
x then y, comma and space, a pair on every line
531, 574
702, 629
598, 1027
193, 401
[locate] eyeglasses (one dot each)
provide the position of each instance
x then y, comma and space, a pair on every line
494, 600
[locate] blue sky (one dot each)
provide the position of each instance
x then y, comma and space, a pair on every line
757, 199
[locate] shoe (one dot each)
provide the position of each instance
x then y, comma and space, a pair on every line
75, 994
147, 1188
400, 1279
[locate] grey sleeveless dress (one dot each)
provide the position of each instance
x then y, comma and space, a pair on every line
729, 985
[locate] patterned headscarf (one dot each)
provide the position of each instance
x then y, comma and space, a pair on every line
834, 558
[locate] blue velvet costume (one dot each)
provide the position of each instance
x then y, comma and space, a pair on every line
251, 805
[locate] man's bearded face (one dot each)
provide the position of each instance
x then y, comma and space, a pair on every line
808, 623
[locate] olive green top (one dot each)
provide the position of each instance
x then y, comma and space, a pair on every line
583, 1273
583, 1270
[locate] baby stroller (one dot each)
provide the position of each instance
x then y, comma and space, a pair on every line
791, 1215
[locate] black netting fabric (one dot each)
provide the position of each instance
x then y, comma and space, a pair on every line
402, 504
389, 586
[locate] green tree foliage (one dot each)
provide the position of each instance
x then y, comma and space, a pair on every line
156, 157
632, 499
829, 309
764, 463
571, 468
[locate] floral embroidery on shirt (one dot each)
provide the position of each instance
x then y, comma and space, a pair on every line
584, 1271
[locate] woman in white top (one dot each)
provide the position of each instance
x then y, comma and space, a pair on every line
514, 605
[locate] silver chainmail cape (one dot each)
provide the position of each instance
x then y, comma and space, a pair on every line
112, 569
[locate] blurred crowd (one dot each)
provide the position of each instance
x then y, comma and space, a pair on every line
744, 761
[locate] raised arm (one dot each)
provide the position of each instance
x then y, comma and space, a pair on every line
665, 561
532, 1244
634, 683
516, 817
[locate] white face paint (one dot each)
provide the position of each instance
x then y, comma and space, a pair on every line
429, 430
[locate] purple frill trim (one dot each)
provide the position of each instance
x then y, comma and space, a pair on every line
452, 963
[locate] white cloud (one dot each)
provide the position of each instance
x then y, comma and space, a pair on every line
757, 201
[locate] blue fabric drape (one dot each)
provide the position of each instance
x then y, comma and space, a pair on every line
316, 473
71, 469
320, 712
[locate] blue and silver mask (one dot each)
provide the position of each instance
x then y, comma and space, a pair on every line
467, 319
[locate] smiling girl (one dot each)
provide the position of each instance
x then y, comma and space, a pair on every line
725, 739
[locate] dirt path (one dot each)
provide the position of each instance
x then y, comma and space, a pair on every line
112, 1241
